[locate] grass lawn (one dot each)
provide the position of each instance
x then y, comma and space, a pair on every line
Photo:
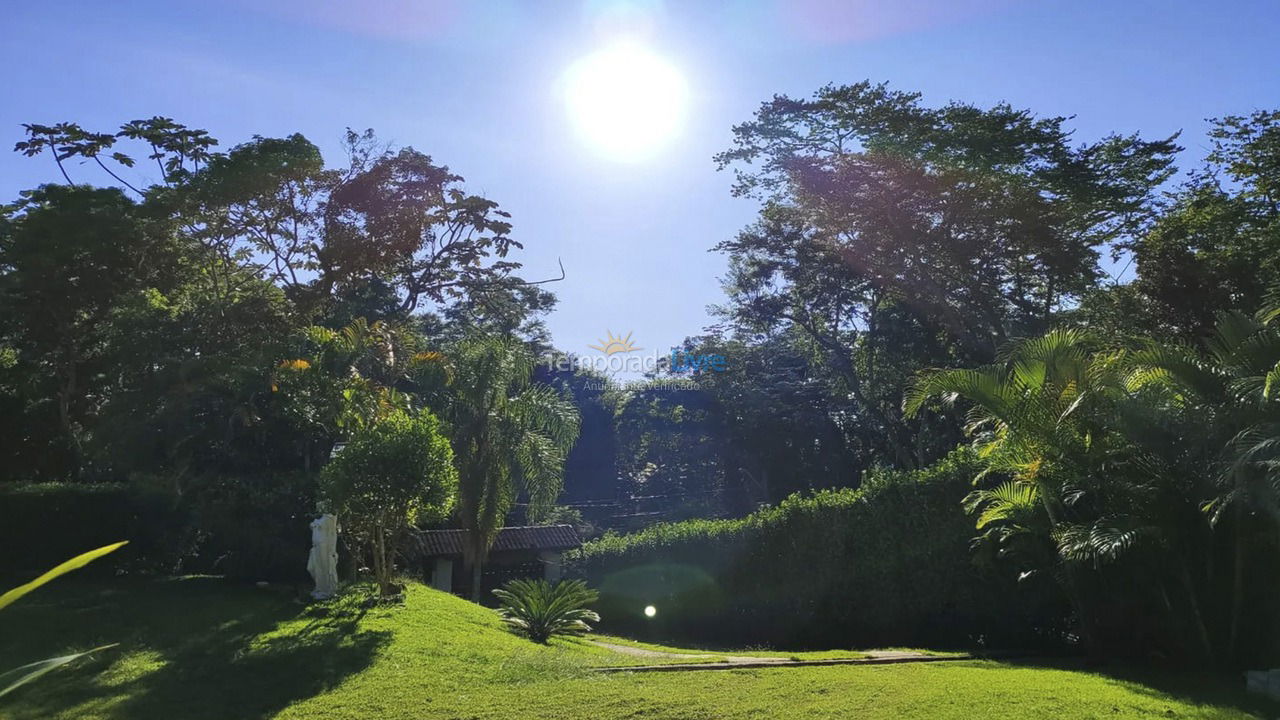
203, 649
765, 652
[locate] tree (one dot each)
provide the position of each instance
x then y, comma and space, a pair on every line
270, 206
394, 474
509, 436
1217, 247
950, 229
342, 380
788, 418
1233, 390
184, 303
71, 258
672, 454
1100, 480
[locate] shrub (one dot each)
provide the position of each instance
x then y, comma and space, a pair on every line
886, 564
247, 527
396, 472
43, 524
540, 610
251, 527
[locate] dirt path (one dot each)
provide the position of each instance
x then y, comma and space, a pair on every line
642, 652
728, 662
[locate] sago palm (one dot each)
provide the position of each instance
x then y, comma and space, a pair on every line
541, 610
509, 435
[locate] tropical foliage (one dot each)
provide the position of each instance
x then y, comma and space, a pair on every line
189, 351
541, 610
1121, 462
13, 679
509, 436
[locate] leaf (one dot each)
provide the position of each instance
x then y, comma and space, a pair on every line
74, 563
36, 669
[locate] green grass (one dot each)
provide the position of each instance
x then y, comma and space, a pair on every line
720, 652
202, 649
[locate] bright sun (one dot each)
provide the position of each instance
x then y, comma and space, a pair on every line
625, 101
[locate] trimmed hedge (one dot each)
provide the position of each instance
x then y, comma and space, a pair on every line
245, 528
43, 524
887, 564
252, 528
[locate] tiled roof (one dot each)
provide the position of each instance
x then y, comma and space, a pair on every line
536, 537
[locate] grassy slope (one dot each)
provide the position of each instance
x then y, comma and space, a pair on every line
197, 648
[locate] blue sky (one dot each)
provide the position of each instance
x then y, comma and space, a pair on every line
478, 86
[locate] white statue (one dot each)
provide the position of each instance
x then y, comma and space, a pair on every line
323, 561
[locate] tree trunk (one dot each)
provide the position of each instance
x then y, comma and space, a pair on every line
381, 569
476, 572
1075, 588
1202, 633
66, 392
1237, 581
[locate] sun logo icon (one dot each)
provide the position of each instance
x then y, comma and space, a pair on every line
612, 344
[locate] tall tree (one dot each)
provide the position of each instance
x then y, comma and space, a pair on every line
1217, 247
270, 205
972, 225
509, 436
71, 258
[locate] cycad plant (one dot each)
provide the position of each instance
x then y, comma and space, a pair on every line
540, 609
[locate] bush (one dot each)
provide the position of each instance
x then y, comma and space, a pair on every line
540, 610
247, 528
395, 473
887, 564
43, 524
251, 528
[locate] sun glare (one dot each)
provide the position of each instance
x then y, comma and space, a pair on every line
625, 101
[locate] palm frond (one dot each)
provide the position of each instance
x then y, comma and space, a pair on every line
1104, 541
541, 610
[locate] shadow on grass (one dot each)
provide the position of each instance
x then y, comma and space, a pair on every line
1200, 687
202, 649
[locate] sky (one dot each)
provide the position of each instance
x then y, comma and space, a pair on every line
482, 86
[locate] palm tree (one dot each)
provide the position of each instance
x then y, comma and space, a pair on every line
1034, 418
509, 435
1059, 417
1032, 412
1235, 386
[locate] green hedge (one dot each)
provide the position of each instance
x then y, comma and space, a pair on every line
887, 564
248, 528
252, 528
43, 524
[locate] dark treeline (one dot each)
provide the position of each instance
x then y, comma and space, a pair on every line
1096, 323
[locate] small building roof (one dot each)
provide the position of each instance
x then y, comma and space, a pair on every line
533, 537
